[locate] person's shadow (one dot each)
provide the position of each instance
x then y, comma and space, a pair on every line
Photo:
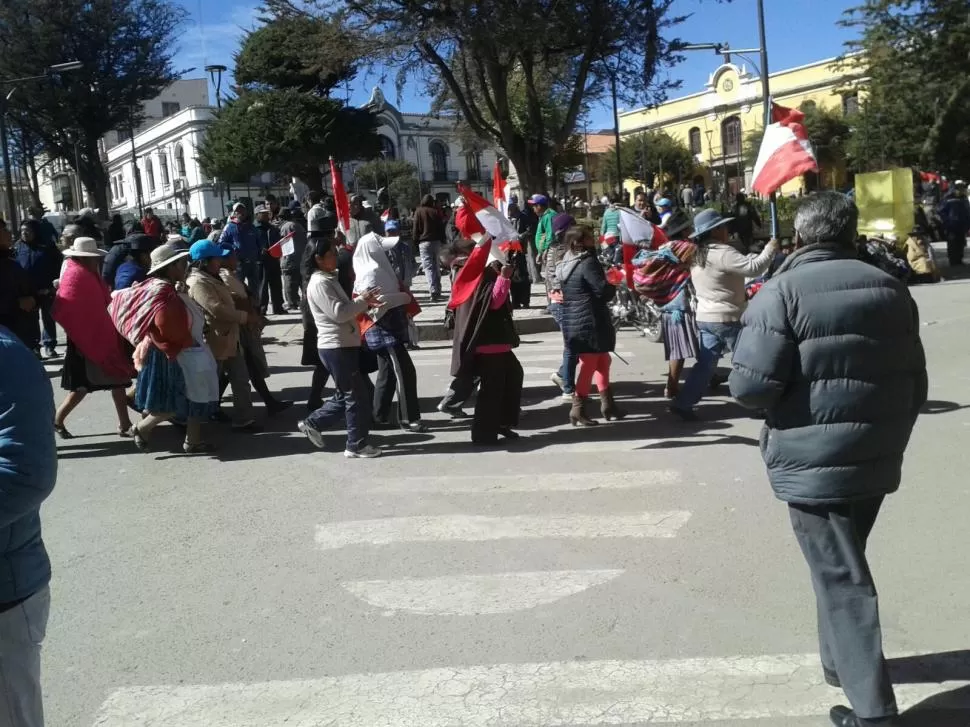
946, 709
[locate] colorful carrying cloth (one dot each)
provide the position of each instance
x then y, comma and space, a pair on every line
133, 309
81, 307
661, 275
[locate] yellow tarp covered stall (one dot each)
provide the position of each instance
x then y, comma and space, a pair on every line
885, 202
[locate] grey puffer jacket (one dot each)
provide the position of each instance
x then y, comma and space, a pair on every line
830, 349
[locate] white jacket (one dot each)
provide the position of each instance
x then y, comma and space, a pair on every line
334, 313
719, 283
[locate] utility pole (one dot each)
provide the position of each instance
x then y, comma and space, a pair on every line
766, 95
616, 138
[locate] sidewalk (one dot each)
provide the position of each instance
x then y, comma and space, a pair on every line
431, 320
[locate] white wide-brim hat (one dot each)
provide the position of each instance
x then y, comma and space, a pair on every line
85, 247
165, 255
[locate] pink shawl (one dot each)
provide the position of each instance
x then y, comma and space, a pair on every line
81, 307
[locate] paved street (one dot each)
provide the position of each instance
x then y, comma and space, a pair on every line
637, 573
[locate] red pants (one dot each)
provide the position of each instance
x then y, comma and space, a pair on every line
592, 366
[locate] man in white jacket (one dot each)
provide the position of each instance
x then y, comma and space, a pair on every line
718, 273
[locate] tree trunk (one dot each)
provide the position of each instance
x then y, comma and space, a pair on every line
94, 177
531, 170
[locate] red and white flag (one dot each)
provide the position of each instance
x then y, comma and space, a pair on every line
341, 201
282, 247
785, 153
487, 218
499, 186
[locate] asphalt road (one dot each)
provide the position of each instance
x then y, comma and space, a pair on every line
637, 573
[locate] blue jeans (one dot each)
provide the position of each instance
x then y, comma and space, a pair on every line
714, 340
567, 369
351, 399
248, 272
48, 336
430, 252
22, 629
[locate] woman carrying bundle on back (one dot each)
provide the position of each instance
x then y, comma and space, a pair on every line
664, 278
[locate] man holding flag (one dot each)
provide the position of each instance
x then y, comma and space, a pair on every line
271, 278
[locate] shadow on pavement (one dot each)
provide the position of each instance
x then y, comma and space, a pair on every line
942, 407
947, 709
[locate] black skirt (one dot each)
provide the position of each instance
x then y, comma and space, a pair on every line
79, 373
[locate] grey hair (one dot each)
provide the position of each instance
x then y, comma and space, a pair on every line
827, 217
70, 233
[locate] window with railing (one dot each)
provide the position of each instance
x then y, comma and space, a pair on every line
179, 161
473, 166
731, 136
694, 140
163, 168
439, 161
150, 175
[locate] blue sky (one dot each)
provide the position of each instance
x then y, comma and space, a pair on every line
799, 31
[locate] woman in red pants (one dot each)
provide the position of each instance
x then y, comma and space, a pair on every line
586, 324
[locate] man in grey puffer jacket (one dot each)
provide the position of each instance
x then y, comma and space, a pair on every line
830, 350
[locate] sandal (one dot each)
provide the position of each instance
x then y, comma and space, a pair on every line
126, 432
200, 448
139, 440
62, 432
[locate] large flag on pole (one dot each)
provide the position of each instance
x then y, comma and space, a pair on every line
341, 201
498, 190
785, 153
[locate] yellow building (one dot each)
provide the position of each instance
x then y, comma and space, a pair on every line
714, 122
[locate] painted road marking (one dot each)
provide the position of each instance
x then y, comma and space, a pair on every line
477, 528
474, 595
539, 482
507, 695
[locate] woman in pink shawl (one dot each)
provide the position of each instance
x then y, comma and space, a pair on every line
96, 359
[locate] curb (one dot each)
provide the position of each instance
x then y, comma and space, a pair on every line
436, 331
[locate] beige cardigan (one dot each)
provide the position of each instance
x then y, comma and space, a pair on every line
222, 318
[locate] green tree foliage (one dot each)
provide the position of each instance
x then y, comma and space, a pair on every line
916, 57
308, 54
399, 177
643, 156
476, 49
283, 119
126, 51
285, 131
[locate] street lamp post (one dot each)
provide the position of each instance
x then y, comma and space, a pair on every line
7, 172
616, 136
723, 49
215, 72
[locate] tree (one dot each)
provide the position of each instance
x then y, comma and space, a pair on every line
476, 49
916, 57
645, 155
284, 119
308, 54
285, 131
126, 55
399, 177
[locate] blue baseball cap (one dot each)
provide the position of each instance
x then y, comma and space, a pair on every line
539, 199
204, 250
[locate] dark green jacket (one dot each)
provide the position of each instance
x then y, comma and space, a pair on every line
830, 349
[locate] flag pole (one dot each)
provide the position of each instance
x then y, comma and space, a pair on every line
766, 99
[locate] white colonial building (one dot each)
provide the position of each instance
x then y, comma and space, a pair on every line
433, 145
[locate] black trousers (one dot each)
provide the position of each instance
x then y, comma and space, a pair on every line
956, 243
396, 374
833, 539
271, 285
499, 395
320, 377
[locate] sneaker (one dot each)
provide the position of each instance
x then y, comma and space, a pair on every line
316, 439
50, 352
455, 412
367, 452
557, 380
567, 396
418, 427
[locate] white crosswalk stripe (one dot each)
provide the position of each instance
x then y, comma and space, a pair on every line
564, 694
474, 595
477, 528
543, 482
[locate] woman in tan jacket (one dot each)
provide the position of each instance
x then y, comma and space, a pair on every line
222, 322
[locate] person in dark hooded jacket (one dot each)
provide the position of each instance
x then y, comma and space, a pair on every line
587, 326
830, 351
